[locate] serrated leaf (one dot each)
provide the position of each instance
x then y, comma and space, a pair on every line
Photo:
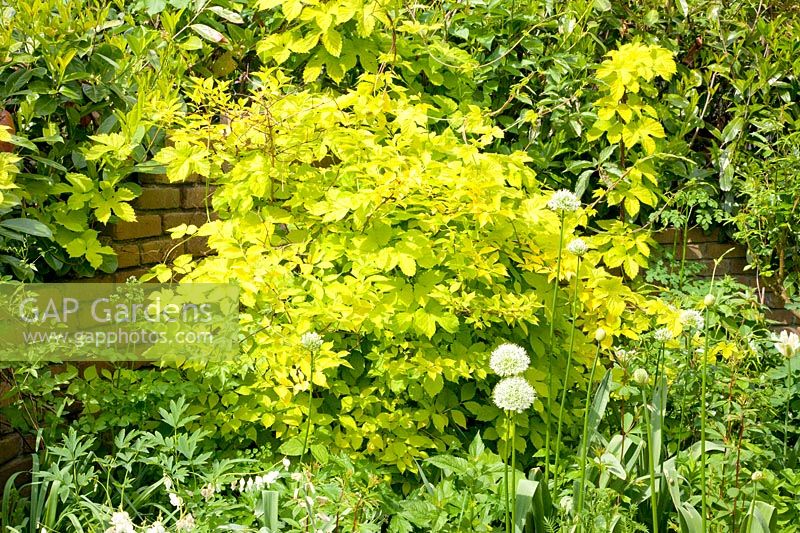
332, 41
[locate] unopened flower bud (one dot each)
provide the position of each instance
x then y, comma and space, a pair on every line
757, 476
640, 376
600, 335
709, 300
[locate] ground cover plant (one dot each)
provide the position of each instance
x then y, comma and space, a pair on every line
453, 314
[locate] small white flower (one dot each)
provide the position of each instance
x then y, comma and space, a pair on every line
241, 485
622, 356
662, 335
121, 523
271, 477
249, 485
577, 247
167, 483
297, 476
286, 462
692, 319
563, 201
640, 377
207, 491
157, 527
514, 394
788, 344
186, 523
175, 500
311, 341
509, 360
566, 504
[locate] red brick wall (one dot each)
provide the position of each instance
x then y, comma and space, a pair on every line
161, 206
704, 248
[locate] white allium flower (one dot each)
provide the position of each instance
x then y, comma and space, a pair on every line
640, 376
121, 523
563, 201
514, 394
175, 500
577, 247
663, 335
311, 341
692, 319
788, 344
709, 300
157, 527
509, 360
186, 523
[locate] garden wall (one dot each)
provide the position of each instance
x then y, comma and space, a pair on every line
703, 248
161, 206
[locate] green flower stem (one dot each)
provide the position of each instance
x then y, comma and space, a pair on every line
310, 405
704, 378
585, 435
513, 473
505, 475
650, 463
550, 355
789, 383
566, 376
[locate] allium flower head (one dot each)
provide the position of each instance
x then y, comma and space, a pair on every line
662, 335
509, 360
758, 475
563, 201
788, 344
577, 247
514, 394
692, 319
640, 376
311, 341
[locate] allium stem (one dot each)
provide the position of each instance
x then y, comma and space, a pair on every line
566, 376
513, 474
550, 355
505, 475
585, 435
789, 383
310, 404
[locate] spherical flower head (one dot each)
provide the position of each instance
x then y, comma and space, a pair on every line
509, 360
121, 523
577, 247
514, 394
662, 335
311, 341
788, 344
563, 201
640, 377
692, 319
757, 476
709, 300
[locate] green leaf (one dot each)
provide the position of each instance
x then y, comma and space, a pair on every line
28, 226
292, 447
227, 14
332, 41
532, 504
